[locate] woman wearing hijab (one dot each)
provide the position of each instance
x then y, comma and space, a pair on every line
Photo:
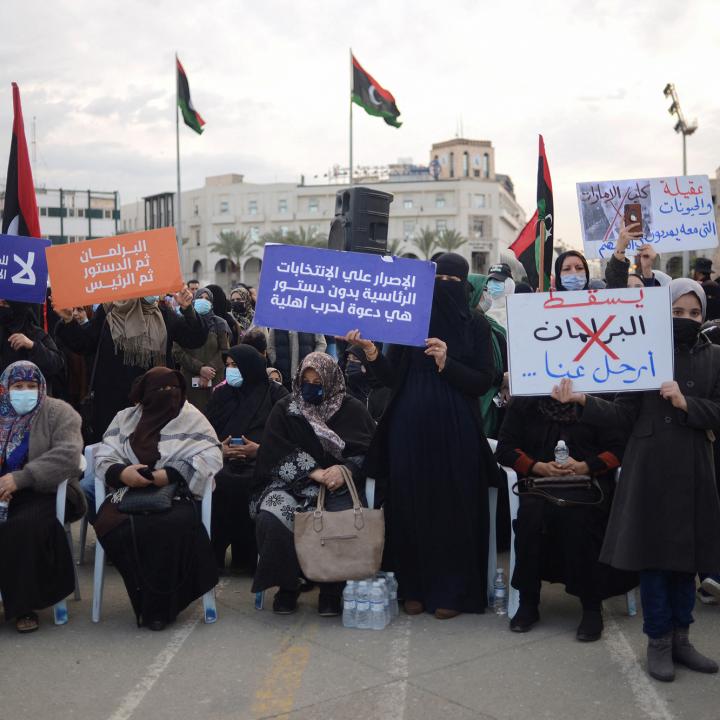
665, 519
165, 559
128, 338
242, 310
21, 338
203, 368
41, 447
431, 444
238, 411
571, 271
309, 434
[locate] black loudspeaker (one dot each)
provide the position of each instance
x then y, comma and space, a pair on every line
361, 220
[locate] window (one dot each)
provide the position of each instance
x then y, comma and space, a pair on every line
478, 200
224, 206
71, 212
439, 201
252, 207
476, 173
197, 238
43, 211
441, 225
477, 227
284, 230
313, 205
466, 164
108, 214
408, 229
196, 208
80, 212
452, 165
255, 233
408, 203
486, 165
282, 205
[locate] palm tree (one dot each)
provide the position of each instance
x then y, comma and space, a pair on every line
426, 242
234, 246
395, 247
305, 237
451, 240
274, 236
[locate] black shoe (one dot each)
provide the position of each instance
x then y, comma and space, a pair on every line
591, 626
329, 605
285, 602
525, 618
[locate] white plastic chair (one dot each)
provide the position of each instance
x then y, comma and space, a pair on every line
209, 606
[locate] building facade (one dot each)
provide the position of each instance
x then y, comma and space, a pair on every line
75, 215
459, 190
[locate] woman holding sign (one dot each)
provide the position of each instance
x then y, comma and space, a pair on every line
431, 447
665, 520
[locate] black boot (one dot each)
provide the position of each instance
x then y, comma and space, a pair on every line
526, 616
285, 602
591, 625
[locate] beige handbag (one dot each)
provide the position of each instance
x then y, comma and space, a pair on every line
342, 545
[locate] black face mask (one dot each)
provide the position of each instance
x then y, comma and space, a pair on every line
238, 307
685, 331
311, 393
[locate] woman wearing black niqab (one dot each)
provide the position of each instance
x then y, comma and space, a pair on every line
431, 449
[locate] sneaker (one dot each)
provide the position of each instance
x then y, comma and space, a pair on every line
329, 605
710, 586
285, 602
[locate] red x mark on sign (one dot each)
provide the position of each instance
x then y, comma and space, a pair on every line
594, 337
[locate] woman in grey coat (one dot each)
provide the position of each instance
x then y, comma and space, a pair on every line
665, 519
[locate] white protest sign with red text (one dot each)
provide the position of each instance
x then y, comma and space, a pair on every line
603, 340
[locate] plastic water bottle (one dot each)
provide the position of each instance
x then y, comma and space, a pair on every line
3, 511
500, 593
349, 616
392, 584
362, 606
386, 601
377, 607
562, 454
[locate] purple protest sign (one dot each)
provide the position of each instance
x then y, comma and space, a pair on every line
332, 292
23, 268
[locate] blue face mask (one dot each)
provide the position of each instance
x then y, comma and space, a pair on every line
233, 376
151, 299
311, 393
202, 306
495, 288
23, 401
573, 281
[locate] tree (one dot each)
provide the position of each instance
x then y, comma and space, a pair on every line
450, 240
426, 242
304, 237
234, 246
274, 236
395, 247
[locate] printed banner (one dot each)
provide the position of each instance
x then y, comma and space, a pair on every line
23, 268
332, 292
677, 214
603, 340
115, 268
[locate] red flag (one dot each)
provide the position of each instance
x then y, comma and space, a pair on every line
524, 250
20, 213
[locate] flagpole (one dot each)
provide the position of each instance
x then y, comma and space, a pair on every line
351, 113
178, 216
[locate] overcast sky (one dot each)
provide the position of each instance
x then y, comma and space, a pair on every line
271, 80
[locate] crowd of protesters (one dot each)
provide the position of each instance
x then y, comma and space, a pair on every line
185, 391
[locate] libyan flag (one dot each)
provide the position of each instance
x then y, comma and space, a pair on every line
534, 245
373, 97
20, 213
191, 116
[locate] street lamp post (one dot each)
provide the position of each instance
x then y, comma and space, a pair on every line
681, 126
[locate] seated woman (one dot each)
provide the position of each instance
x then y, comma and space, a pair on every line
41, 447
163, 439
238, 410
308, 435
561, 544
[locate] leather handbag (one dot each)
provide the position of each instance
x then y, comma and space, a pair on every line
341, 545
554, 489
145, 501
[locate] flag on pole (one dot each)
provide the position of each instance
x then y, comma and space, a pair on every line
191, 116
372, 97
545, 225
524, 250
20, 212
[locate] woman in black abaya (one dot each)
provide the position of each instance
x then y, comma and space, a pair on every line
430, 445
239, 409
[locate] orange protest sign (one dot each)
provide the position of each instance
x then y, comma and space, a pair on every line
114, 268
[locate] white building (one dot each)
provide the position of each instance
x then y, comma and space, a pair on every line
75, 215
459, 190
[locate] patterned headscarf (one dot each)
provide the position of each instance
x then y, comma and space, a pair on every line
244, 319
14, 427
333, 385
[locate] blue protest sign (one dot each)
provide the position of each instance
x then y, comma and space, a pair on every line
23, 268
332, 292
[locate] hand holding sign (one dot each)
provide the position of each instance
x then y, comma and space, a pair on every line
565, 394
671, 391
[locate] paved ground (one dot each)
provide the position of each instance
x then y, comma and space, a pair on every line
257, 665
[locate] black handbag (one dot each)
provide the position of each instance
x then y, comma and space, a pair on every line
555, 489
145, 501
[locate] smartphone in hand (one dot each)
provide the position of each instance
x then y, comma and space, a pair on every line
236, 441
633, 216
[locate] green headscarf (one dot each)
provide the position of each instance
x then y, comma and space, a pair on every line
479, 283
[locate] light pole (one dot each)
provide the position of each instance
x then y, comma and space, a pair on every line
681, 126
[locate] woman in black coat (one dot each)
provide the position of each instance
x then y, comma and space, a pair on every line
431, 448
561, 544
238, 410
665, 520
